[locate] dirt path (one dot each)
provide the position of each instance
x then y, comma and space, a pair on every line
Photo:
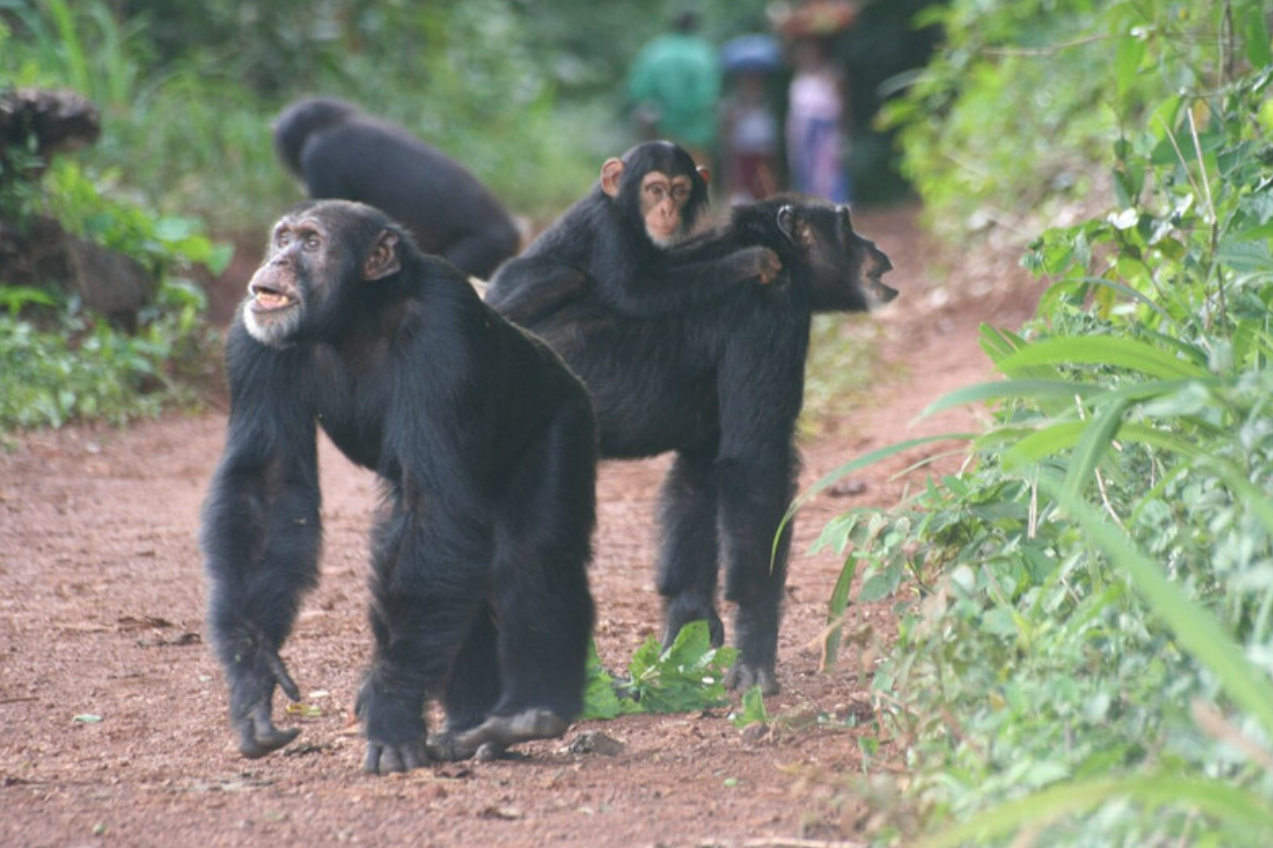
113, 724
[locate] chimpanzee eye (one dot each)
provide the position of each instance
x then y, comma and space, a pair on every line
282, 238
680, 194
313, 242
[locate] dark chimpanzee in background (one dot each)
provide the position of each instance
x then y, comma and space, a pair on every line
486, 448
715, 374
341, 153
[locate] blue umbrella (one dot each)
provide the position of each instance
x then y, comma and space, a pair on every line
750, 53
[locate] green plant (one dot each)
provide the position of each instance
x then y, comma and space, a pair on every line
689, 675
60, 364
1082, 655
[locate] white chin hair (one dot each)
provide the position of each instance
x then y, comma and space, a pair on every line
273, 333
668, 241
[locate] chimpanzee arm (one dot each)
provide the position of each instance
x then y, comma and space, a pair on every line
676, 282
261, 535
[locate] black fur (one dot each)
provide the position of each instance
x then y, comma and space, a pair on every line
485, 445
720, 382
340, 152
600, 247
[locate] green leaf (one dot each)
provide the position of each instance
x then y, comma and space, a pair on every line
1095, 440
1255, 32
1009, 390
1237, 811
1127, 58
688, 676
1112, 351
753, 709
839, 603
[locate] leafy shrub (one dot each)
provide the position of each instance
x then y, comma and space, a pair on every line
1086, 607
58, 363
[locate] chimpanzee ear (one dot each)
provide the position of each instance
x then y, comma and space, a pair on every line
787, 222
611, 174
383, 260
705, 174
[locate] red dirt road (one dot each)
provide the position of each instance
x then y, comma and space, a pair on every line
113, 725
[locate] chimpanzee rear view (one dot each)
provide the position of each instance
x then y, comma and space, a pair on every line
485, 446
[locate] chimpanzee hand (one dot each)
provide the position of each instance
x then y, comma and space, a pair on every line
769, 266
395, 728
251, 694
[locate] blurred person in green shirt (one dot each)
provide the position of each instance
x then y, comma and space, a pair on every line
674, 87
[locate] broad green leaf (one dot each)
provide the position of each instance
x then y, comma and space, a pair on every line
1111, 351
1049, 441
1255, 31
1234, 810
839, 603
1095, 440
1009, 390
1127, 59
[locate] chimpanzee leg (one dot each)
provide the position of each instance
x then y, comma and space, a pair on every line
689, 555
473, 688
543, 608
755, 494
761, 389
429, 577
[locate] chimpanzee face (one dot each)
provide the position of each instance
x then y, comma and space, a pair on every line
318, 256
663, 200
847, 269
659, 190
277, 296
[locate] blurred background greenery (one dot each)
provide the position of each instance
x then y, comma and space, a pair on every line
527, 94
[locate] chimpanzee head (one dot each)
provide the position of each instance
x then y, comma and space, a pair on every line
320, 254
659, 190
844, 270
296, 123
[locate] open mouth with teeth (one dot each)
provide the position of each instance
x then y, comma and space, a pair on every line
879, 291
266, 299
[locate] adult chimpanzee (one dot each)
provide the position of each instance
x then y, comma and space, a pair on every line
486, 447
718, 381
340, 152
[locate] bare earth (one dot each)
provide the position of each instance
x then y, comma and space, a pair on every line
113, 724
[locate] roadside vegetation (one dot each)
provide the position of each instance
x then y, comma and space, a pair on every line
1086, 608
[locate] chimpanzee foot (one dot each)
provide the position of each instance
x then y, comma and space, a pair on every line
251, 695
743, 676
681, 612
258, 736
492, 737
383, 758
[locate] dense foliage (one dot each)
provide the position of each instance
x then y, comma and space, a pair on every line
1087, 608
